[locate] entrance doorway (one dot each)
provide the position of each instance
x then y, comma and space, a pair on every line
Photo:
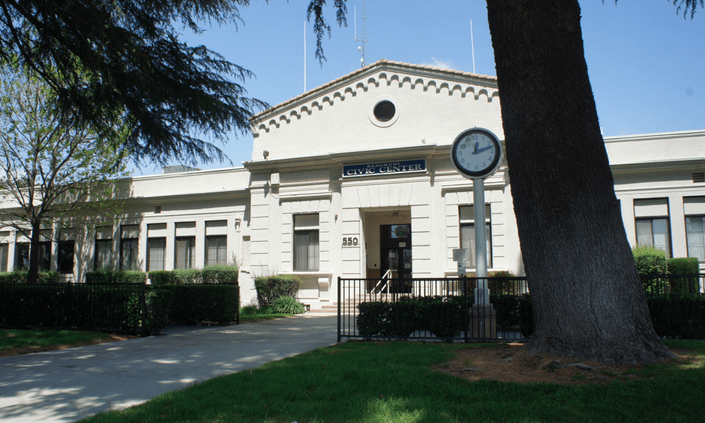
395, 252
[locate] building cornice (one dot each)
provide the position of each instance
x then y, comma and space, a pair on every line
340, 159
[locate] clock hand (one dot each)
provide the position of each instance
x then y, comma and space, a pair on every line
477, 144
482, 149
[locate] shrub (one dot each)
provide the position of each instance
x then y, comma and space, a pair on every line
220, 274
504, 284
83, 306
287, 305
272, 287
186, 277
160, 277
193, 304
678, 317
684, 266
20, 276
649, 260
121, 276
372, 317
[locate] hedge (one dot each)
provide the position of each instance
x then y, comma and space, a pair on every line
445, 317
208, 275
20, 276
684, 266
673, 316
270, 288
193, 304
121, 276
83, 306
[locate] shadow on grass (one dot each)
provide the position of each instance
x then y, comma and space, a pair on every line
393, 382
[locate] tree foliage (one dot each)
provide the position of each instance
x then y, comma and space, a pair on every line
121, 61
50, 162
688, 5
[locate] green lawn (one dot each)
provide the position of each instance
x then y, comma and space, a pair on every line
45, 339
393, 382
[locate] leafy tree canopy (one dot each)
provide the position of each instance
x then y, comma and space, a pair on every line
121, 61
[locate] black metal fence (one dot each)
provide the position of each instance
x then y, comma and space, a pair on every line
449, 309
102, 307
459, 309
667, 285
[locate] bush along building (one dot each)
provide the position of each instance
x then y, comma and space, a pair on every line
354, 179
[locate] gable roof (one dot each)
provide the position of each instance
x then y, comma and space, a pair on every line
383, 64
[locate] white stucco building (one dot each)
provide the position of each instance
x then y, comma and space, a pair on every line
353, 179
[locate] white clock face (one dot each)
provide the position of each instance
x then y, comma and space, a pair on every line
476, 153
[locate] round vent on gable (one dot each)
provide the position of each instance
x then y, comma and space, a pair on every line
384, 112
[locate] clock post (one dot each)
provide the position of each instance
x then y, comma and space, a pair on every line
476, 154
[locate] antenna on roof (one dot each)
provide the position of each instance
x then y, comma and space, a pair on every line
304, 56
472, 42
363, 40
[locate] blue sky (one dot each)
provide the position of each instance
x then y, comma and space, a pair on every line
646, 64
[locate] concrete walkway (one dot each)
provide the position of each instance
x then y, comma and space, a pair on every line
67, 385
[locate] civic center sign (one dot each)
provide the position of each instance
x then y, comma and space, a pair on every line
385, 168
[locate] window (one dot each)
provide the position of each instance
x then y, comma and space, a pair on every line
22, 256
185, 253
695, 236
65, 258
216, 250
694, 210
384, 111
467, 233
129, 247
3, 257
652, 224
216, 242
103, 256
306, 245
156, 253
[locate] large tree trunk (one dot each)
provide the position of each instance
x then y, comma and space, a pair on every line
587, 299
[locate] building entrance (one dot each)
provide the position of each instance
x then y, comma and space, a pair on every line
395, 251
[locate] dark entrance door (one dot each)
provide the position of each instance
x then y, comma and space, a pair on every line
395, 248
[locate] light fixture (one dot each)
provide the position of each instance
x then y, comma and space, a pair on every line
265, 154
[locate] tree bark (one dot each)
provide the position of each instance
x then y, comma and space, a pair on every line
587, 298
33, 271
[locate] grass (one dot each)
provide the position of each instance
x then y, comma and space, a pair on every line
253, 314
45, 339
393, 382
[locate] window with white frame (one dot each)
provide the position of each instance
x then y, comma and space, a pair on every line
103, 248
4, 248
216, 250
156, 246
216, 242
185, 257
652, 224
306, 242
22, 255
185, 245
467, 233
129, 247
694, 210
156, 253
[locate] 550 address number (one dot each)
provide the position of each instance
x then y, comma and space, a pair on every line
350, 241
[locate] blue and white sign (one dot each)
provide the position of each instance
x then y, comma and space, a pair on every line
385, 168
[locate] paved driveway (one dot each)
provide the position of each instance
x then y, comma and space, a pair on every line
66, 385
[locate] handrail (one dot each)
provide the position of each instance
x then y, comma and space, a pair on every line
385, 278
